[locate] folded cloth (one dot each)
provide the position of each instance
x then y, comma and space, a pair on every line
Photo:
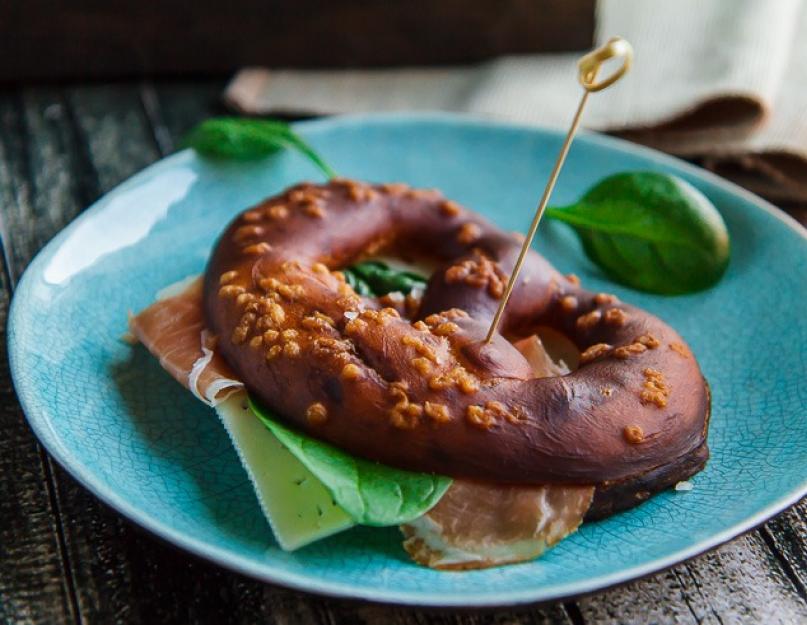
720, 80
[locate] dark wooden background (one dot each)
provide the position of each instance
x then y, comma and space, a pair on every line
67, 558
41, 39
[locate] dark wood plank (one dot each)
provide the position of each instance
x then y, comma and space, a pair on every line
741, 582
34, 581
173, 108
380, 615
787, 535
744, 582
659, 600
33, 584
45, 39
60, 184
111, 122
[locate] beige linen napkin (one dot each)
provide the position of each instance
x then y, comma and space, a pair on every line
725, 80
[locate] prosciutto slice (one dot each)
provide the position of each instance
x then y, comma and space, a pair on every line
173, 330
477, 525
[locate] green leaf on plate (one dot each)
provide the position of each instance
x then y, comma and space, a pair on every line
651, 231
236, 138
358, 283
371, 493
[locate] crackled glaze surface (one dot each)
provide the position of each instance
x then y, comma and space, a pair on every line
127, 431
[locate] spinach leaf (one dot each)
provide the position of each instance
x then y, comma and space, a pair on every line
236, 138
355, 280
376, 278
651, 231
371, 493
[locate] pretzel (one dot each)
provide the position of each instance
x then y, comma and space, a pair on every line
422, 391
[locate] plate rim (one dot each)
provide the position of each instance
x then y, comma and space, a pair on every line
266, 572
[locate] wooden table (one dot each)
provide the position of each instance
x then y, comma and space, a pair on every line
67, 558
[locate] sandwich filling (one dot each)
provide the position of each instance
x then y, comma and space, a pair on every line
474, 524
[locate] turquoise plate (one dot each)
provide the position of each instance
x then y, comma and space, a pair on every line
135, 438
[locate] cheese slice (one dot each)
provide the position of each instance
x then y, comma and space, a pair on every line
298, 507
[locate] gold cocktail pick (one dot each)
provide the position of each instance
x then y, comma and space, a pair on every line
588, 67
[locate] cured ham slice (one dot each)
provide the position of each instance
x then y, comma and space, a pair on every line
482, 525
173, 330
